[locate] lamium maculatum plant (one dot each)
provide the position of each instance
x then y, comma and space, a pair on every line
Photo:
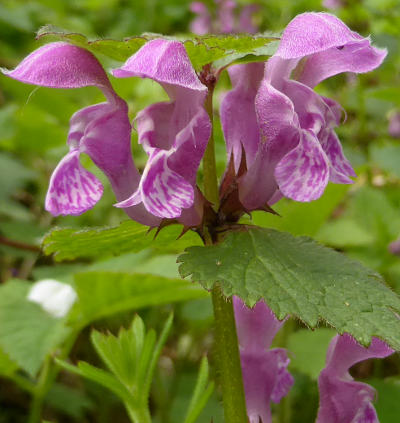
280, 142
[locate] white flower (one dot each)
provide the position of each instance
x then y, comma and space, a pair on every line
53, 296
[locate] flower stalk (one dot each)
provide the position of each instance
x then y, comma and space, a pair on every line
226, 342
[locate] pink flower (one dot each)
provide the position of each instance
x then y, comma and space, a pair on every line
174, 134
102, 131
285, 129
342, 399
264, 370
225, 22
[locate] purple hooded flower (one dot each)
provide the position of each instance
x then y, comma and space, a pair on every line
202, 23
394, 124
332, 4
290, 145
342, 399
174, 134
394, 247
225, 22
226, 16
246, 18
265, 374
102, 131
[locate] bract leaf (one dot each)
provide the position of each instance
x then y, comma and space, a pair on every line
202, 50
297, 276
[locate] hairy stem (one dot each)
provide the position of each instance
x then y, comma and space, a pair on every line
226, 342
209, 165
228, 359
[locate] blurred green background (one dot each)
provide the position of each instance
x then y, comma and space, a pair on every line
360, 220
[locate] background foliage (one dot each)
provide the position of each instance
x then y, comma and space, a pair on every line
360, 220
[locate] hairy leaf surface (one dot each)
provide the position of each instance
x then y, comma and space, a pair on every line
68, 244
297, 276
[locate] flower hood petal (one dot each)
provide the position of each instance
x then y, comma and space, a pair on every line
328, 45
341, 398
163, 61
61, 65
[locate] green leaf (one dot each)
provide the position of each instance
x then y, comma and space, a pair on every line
201, 393
69, 401
68, 244
131, 357
99, 376
27, 333
308, 350
157, 351
257, 54
297, 276
386, 156
127, 354
391, 94
7, 366
129, 292
374, 212
13, 175
344, 233
202, 50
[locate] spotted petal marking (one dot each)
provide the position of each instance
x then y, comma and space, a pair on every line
72, 189
303, 173
164, 193
284, 380
340, 167
367, 412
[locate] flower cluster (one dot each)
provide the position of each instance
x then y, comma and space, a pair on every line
282, 126
225, 22
279, 132
266, 378
173, 134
